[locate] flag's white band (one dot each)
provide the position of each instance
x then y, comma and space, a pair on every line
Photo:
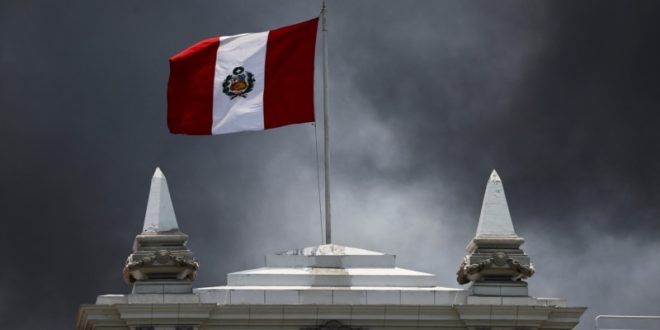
241, 113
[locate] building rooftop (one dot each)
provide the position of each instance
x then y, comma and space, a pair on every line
328, 283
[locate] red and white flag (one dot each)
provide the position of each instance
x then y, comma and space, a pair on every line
245, 82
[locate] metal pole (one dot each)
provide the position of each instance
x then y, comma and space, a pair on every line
326, 142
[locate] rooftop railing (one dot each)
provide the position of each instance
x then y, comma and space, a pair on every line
628, 322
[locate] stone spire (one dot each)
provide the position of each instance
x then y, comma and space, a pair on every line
495, 263
160, 262
160, 215
495, 219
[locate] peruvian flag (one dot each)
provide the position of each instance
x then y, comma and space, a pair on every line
246, 82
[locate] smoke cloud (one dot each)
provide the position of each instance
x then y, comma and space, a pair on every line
425, 100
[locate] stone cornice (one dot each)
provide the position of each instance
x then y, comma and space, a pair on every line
309, 316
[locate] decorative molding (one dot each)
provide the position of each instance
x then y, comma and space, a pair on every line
333, 325
515, 313
180, 264
470, 272
161, 258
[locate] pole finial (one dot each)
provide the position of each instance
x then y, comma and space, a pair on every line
324, 10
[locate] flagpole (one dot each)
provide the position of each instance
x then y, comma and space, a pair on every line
326, 142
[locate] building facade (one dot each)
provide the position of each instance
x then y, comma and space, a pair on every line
327, 287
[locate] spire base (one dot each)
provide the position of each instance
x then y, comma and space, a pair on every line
496, 289
495, 266
495, 242
160, 257
141, 287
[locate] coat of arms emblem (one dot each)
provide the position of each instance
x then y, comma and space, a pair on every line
239, 83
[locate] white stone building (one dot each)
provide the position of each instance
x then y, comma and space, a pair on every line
327, 286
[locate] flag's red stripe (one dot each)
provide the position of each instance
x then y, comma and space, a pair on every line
289, 75
190, 89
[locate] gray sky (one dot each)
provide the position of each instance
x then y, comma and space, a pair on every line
426, 98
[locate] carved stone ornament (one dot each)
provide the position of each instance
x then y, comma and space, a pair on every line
468, 272
140, 265
333, 325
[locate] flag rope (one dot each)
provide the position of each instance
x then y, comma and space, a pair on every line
318, 179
